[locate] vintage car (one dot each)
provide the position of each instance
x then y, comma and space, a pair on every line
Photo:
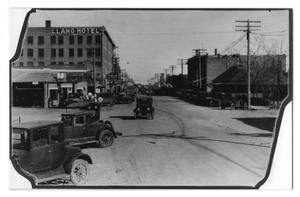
123, 98
108, 99
144, 107
40, 152
84, 126
73, 98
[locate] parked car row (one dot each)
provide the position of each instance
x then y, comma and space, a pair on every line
219, 99
47, 150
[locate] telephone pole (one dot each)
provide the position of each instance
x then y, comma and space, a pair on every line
181, 62
198, 54
248, 28
172, 68
166, 77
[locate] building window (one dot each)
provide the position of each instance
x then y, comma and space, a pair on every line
61, 63
80, 63
41, 64
71, 63
53, 63
89, 39
71, 39
97, 39
60, 40
41, 52
40, 40
97, 52
97, 63
22, 53
21, 64
79, 39
29, 52
30, 40
79, 52
53, 39
29, 63
71, 52
53, 52
61, 52
89, 52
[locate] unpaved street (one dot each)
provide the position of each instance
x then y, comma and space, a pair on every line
184, 145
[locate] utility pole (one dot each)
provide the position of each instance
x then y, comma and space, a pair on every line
94, 72
198, 54
248, 28
182, 62
166, 73
172, 69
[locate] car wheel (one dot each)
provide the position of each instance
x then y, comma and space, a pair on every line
149, 116
79, 172
106, 138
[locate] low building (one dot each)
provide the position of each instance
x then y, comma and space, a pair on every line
48, 87
204, 69
269, 78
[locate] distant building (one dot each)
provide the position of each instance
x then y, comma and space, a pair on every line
212, 66
209, 67
269, 78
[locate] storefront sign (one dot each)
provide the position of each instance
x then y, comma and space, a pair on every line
76, 30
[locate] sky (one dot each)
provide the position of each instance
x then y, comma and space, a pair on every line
150, 41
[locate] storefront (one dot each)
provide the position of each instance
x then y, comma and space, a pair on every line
32, 88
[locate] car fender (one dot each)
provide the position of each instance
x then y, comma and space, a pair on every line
68, 163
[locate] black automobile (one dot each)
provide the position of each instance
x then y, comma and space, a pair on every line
144, 107
123, 98
40, 151
73, 98
108, 99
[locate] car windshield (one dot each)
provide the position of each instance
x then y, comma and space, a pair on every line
144, 101
19, 138
67, 119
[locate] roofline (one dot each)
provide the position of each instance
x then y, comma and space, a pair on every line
103, 29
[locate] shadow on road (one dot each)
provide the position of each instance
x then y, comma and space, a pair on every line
123, 117
170, 135
265, 123
127, 117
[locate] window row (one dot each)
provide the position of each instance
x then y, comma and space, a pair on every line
61, 52
21, 64
60, 39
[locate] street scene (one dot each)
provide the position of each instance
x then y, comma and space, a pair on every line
148, 106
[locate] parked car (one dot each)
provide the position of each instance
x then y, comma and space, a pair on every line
144, 107
73, 98
123, 98
85, 127
108, 99
40, 151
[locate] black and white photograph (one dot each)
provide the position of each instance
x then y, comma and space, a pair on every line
149, 98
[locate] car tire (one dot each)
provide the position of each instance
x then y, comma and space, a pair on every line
80, 172
105, 138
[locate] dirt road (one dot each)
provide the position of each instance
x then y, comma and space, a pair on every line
184, 145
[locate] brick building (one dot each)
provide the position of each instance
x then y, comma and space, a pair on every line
47, 46
78, 54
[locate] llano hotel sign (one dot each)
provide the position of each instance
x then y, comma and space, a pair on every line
76, 30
